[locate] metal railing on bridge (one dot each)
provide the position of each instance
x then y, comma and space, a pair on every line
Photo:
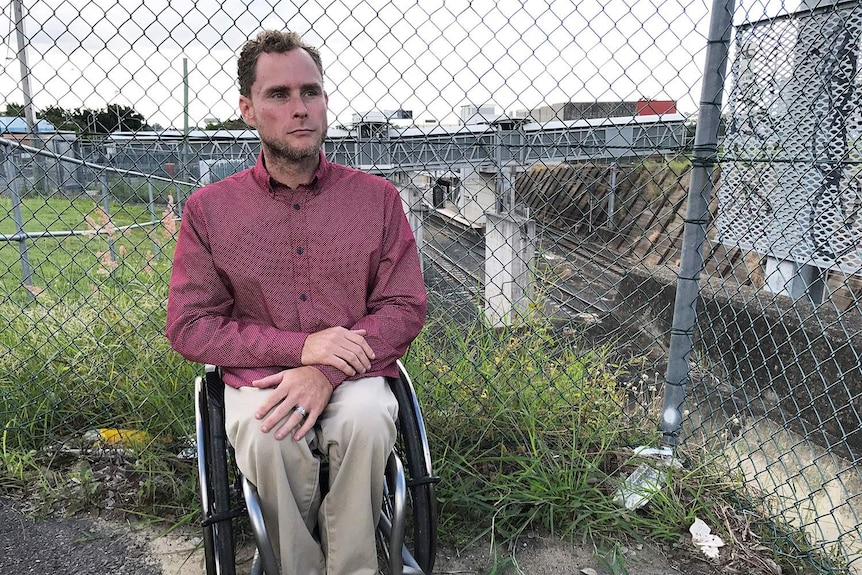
386, 148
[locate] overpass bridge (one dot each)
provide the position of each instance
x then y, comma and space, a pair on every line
382, 148
202, 156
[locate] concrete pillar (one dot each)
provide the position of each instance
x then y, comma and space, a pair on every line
478, 194
506, 189
510, 249
612, 193
795, 280
416, 210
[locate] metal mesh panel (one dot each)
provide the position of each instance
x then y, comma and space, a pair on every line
793, 191
780, 357
543, 151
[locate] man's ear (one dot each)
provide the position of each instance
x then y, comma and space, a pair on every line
247, 111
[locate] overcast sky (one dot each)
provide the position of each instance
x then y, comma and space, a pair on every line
429, 56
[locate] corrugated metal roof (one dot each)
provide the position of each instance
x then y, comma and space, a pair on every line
18, 125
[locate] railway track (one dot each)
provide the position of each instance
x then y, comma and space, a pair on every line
468, 283
601, 256
595, 270
578, 278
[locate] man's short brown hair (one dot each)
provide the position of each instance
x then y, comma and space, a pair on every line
269, 41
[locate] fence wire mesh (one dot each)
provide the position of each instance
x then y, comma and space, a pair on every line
543, 151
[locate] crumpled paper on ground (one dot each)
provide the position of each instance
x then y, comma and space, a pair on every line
704, 540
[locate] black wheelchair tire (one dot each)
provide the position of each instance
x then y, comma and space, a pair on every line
421, 483
216, 503
219, 496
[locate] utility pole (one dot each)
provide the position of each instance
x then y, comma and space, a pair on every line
29, 114
185, 172
30, 118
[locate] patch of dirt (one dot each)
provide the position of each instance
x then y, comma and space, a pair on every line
80, 545
70, 546
180, 554
542, 555
83, 545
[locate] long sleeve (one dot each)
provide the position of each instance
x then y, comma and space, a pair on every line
397, 301
201, 323
259, 267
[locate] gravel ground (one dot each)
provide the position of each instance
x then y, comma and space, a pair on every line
82, 546
69, 546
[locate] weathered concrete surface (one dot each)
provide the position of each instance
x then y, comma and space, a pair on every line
794, 363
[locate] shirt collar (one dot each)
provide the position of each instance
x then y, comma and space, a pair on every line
265, 181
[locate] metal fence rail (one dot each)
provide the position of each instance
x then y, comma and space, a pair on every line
674, 184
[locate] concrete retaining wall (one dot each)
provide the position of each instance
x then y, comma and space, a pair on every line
790, 361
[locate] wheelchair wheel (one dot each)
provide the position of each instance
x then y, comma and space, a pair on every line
410, 501
420, 547
214, 479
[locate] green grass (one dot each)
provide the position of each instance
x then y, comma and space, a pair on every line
533, 431
529, 429
64, 265
98, 360
83, 348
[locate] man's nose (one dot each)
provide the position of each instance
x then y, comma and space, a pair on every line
299, 108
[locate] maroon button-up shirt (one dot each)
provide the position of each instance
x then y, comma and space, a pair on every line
260, 266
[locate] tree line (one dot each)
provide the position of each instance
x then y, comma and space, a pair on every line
112, 118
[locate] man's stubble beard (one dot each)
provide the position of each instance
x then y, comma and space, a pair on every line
287, 153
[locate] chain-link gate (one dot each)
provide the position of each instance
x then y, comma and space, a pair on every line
545, 153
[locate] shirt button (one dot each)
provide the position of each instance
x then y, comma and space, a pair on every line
299, 251
295, 206
303, 297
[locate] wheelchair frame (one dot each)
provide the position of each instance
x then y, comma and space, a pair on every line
408, 521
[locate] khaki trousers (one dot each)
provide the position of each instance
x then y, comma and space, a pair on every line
357, 432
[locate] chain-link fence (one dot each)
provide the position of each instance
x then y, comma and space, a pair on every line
556, 160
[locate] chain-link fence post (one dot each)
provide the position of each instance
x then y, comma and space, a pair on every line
704, 158
13, 185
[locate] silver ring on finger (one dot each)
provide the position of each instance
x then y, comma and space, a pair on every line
300, 410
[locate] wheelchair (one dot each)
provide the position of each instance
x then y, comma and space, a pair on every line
407, 530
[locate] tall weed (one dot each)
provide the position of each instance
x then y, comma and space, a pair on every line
527, 426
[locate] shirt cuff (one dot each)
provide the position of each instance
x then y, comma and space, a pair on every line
286, 349
335, 376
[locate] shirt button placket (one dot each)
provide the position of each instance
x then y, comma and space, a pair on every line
302, 263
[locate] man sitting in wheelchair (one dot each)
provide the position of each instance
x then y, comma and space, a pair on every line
300, 279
